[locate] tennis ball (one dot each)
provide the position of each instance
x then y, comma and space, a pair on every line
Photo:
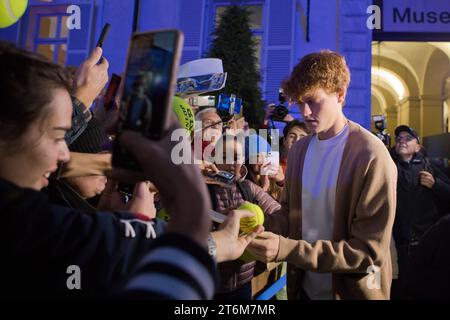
11, 11
247, 257
248, 224
184, 113
163, 215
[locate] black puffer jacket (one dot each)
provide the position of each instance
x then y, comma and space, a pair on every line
418, 207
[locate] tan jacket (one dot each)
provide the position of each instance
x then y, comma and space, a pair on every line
86, 164
364, 215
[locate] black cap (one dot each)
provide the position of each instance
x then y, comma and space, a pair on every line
405, 128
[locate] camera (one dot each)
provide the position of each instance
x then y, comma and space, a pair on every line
281, 110
202, 101
380, 125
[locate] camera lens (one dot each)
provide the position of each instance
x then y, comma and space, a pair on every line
281, 112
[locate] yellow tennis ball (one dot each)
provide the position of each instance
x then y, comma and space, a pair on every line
11, 11
248, 224
184, 113
247, 257
163, 215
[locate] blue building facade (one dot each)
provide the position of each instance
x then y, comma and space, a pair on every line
286, 30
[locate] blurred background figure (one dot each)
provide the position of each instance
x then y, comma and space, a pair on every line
423, 197
236, 276
292, 132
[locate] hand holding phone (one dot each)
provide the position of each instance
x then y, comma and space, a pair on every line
271, 164
102, 38
103, 35
150, 77
91, 78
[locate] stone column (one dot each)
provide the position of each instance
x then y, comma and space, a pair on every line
432, 115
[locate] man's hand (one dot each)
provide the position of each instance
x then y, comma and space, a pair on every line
270, 109
230, 246
426, 179
91, 78
265, 247
288, 118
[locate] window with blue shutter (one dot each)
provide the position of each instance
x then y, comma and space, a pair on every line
280, 23
279, 47
49, 34
190, 23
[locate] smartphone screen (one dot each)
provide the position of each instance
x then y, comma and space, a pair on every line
150, 80
229, 104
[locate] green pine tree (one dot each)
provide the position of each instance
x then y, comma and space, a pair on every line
234, 44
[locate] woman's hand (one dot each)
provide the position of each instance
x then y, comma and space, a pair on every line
181, 186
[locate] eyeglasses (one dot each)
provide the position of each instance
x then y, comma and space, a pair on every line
406, 138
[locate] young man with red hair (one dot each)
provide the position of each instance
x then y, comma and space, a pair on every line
338, 204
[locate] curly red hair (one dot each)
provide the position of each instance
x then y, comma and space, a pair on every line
326, 69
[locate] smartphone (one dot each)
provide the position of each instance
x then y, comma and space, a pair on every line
111, 92
103, 35
149, 84
222, 176
271, 163
229, 103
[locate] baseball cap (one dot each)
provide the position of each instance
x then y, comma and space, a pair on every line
405, 128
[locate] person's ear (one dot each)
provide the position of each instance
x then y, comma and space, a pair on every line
341, 97
417, 148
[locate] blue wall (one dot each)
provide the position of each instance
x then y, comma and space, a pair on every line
355, 41
119, 14
336, 25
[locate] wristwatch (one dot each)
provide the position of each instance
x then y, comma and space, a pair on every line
212, 248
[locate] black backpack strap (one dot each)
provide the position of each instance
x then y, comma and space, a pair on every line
244, 188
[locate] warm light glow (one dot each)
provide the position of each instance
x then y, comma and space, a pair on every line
390, 78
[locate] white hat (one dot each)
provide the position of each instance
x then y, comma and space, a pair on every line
201, 76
